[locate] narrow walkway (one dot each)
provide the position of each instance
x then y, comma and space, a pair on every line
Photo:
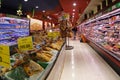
83, 63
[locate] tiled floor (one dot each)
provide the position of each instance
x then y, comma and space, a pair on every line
83, 63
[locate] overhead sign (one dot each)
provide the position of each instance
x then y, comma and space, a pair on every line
53, 34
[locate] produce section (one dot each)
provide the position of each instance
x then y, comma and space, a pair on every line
33, 64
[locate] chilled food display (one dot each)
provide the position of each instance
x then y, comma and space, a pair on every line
11, 29
105, 31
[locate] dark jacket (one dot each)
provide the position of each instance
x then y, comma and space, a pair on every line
74, 29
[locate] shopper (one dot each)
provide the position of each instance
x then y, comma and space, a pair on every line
74, 31
82, 38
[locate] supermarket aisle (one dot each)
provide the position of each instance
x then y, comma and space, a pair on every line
83, 63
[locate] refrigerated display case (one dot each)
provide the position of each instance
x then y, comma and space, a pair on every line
11, 29
104, 32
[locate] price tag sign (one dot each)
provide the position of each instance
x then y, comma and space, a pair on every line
57, 33
53, 34
4, 56
25, 43
50, 34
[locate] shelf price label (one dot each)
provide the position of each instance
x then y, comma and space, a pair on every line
25, 43
4, 56
53, 34
50, 34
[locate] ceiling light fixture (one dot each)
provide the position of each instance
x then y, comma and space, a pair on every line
28, 16
74, 4
48, 17
73, 13
37, 7
19, 11
50, 30
43, 11
25, 0
73, 16
73, 9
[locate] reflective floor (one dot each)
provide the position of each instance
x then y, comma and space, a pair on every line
83, 63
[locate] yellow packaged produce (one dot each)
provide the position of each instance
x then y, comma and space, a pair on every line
48, 49
54, 46
47, 52
43, 57
32, 68
48, 55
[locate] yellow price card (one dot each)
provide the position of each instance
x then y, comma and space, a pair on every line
4, 56
53, 34
50, 34
25, 43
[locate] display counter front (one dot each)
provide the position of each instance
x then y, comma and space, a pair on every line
108, 56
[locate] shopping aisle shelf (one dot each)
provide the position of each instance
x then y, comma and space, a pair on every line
83, 63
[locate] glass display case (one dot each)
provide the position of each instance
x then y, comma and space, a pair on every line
12, 28
35, 25
105, 32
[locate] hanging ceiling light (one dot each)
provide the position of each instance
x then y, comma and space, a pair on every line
28, 16
37, 7
43, 11
73, 13
74, 4
19, 11
73, 9
25, 0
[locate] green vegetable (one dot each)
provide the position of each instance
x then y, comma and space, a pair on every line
18, 74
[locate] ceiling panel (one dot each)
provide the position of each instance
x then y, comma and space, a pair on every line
52, 7
79, 8
31, 4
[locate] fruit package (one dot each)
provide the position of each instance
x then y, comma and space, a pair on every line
32, 68
44, 57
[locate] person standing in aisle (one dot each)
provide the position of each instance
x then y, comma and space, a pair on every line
74, 31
